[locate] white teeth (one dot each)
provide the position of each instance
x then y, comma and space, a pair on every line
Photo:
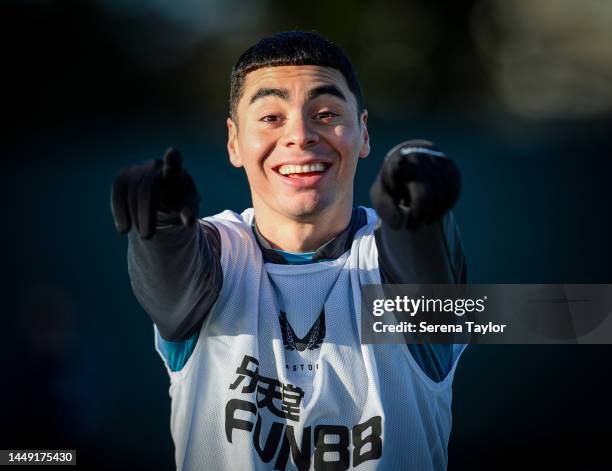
289, 169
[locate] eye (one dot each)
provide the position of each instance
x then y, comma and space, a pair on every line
325, 115
271, 118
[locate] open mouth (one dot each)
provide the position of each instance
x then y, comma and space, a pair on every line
302, 171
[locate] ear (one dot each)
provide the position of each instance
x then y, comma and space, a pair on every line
232, 143
364, 150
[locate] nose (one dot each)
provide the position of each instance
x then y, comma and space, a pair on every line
299, 133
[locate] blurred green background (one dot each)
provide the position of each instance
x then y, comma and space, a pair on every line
519, 93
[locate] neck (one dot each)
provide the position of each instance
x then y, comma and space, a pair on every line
301, 235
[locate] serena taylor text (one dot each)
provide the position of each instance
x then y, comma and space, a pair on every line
424, 327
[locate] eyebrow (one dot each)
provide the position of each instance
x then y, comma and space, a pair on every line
325, 90
283, 93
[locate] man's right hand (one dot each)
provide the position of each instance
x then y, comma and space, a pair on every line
139, 192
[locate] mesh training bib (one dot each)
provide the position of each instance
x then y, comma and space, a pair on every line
279, 380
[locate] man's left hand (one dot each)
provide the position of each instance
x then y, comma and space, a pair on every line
416, 185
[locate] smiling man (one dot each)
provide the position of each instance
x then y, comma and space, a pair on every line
298, 130
257, 315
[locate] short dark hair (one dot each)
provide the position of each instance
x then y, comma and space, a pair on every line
291, 48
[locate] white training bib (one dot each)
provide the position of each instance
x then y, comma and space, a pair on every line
279, 379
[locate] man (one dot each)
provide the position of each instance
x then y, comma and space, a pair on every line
257, 315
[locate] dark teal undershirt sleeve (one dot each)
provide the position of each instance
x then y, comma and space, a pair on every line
432, 254
176, 277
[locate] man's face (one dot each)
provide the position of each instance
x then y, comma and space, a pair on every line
299, 137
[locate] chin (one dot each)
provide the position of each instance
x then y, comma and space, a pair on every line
305, 209
303, 213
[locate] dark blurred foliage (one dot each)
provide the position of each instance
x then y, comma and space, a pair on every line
512, 90
73, 61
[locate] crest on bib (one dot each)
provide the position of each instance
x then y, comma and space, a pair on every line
311, 341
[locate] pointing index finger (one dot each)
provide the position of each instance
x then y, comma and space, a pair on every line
173, 163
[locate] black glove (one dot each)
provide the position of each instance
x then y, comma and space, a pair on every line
142, 190
416, 185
